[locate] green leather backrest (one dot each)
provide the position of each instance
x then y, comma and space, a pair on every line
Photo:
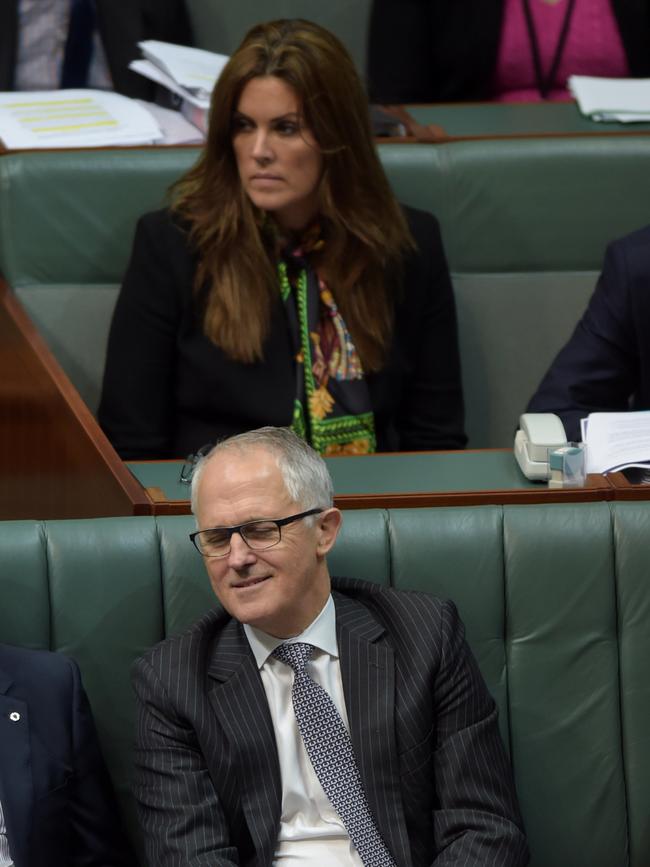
525, 224
555, 598
527, 205
519, 206
67, 217
220, 25
66, 227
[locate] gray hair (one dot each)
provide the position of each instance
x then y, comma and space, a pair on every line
303, 470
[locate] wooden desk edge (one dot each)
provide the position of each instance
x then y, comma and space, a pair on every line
625, 490
597, 489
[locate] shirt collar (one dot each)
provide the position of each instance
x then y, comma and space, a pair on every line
321, 632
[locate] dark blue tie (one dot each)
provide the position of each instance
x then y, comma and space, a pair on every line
79, 44
329, 748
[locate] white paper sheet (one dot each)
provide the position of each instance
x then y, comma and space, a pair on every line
626, 100
73, 118
194, 70
176, 129
153, 73
616, 440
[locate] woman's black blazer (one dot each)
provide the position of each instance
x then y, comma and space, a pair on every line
168, 390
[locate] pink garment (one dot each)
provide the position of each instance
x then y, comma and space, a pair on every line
593, 47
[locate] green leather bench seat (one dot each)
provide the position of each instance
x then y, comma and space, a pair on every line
556, 600
525, 224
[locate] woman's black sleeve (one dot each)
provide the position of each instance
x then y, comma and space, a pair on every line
137, 404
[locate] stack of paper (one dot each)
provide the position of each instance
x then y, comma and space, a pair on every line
616, 440
175, 128
188, 72
74, 118
625, 100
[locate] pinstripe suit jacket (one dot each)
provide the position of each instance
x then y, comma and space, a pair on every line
422, 723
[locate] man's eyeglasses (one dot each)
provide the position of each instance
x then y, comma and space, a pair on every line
258, 535
189, 465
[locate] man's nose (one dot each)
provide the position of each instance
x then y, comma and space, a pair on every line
240, 554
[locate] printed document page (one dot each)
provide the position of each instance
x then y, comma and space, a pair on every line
616, 440
615, 99
194, 70
74, 118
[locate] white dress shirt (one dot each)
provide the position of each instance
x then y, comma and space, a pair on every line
5, 854
42, 34
311, 831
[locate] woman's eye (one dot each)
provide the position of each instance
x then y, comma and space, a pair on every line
287, 128
240, 124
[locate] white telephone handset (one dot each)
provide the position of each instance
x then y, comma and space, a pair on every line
538, 432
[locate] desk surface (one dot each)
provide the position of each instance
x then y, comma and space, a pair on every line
505, 120
399, 480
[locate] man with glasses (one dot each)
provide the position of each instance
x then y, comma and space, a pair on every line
312, 721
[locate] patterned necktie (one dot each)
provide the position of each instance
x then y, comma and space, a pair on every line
329, 748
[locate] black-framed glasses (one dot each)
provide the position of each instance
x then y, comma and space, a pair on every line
189, 465
258, 535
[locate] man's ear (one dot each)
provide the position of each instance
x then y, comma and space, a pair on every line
328, 524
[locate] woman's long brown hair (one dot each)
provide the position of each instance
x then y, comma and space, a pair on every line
365, 230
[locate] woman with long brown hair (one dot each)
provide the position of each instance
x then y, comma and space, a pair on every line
285, 285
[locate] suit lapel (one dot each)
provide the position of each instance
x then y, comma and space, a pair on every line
16, 785
240, 703
368, 675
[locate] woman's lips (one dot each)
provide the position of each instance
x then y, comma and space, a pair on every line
264, 180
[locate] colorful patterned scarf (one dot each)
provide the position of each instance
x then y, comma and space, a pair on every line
332, 408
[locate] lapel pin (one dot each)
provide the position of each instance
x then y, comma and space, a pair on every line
14, 716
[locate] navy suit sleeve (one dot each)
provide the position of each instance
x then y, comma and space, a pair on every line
477, 819
181, 817
598, 369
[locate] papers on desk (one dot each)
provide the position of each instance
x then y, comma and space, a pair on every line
175, 128
188, 72
626, 100
74, 118
616, 440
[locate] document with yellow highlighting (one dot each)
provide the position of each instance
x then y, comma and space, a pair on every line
74, 118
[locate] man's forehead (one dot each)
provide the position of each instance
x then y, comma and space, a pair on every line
239, 464
238, 478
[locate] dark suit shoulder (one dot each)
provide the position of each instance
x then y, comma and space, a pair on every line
406, 615
379, 594
426, 268
166, 225
195, 642
423, 225
630, 255
634, 240
162, 263
37, 669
